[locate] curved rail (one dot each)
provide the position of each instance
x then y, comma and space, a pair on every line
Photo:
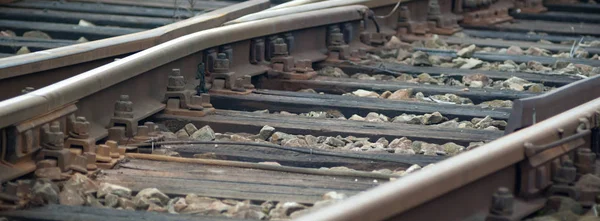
70, 90
51, 61
426, 191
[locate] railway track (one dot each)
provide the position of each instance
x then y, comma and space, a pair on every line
277, 114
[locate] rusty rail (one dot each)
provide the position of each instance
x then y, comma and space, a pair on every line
477, 174
93, 90
52, 65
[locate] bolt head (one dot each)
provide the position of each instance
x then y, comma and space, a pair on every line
124, 97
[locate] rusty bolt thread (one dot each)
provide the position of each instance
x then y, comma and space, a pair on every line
404, 14
81, 126
566, 174
280, 47
55, 137
124, 107
176, 81
221, 63
502, 202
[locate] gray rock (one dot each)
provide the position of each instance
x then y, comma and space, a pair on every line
266, 111
80, 183
408, 119
93, 202
471, 63
383, 141
466, 52
468, 79
106, 188
362, 76
316, 114
332, 141
45, 192
190, 128
111, 200
432, 118
151, 193
402, 94
332, 72
589, 183
71, 197
404, 151
284, 210
514, 50
537, 51
560, 64
451, 123
413, 168
452, 148
294, 142
169, 135
420, 59
429, 149
365, 93
126, 203
484, 123
404, 77
356, 118
507, 67
182, 134
401, 143
204, 134
375, 117
280, 136
266, 132
496, 104
308, 90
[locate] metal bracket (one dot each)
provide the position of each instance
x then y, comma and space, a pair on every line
582, 130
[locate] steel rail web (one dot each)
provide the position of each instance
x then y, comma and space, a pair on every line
49, 98
14, 66
451, 174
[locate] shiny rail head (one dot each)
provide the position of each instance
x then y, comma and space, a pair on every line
309, 5
70, 90
15, 66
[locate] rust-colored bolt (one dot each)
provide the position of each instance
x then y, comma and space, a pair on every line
124, 107
91, 161
404, 14
228, 51
47, 163
585, 161
151, 126
289, 40
55, 137
280, 47
176, 81
79, 163
81, 127
103, 153
566, 174
502, 202
114, 148
143, 131
303, 65
434, 9
221, 64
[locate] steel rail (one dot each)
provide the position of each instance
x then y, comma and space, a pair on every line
64, 56
396, 198
49, 98
309, 6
